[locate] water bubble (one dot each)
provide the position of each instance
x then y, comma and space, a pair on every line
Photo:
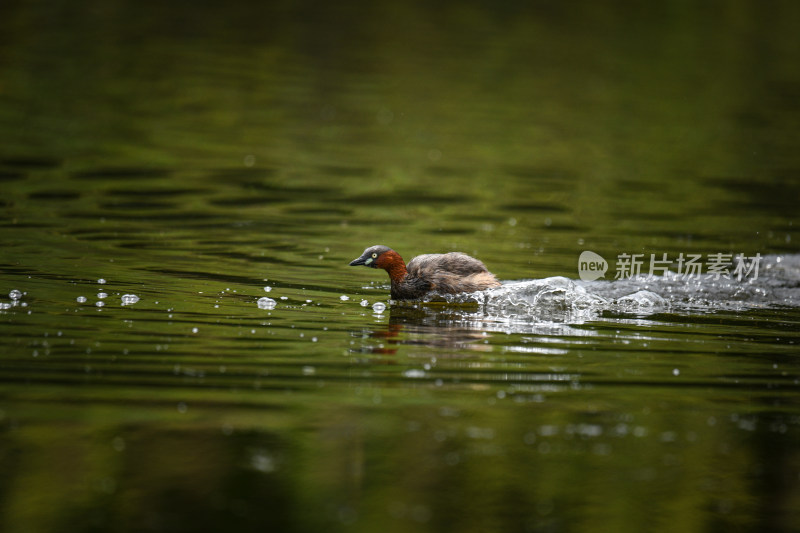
81, 299
15, 294
4, 305
676, 372
379, 307
100, 304
267, 288
474, 432
364, 303
385, 116
102, 295
101, 281
129, 299
118, 443
263, 462
266, 303
344, 297
548, 430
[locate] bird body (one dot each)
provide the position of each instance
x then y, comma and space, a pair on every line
450, 273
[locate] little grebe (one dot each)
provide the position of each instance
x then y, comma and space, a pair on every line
445, 273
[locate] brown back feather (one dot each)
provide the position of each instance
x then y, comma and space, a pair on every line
451, 273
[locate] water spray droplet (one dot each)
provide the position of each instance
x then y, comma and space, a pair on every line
129, 299
266, 303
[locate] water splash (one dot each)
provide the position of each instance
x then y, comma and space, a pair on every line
15, 296
564, 300
778, 285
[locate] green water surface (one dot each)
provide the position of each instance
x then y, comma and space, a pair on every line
203, 155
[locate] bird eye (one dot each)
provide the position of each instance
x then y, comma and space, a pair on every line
374, 255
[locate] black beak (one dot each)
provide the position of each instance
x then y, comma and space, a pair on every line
360, 261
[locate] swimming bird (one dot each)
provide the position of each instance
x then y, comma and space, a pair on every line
449, 273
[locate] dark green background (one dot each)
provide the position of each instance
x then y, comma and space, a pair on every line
194, 152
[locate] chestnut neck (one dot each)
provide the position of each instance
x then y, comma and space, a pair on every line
392, 263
